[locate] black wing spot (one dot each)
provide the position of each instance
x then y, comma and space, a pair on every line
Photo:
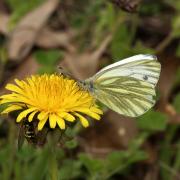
145, 77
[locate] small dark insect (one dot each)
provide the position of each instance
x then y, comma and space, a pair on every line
27, 131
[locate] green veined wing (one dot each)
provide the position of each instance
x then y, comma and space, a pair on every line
128, 86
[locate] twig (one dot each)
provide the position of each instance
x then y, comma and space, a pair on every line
164, 43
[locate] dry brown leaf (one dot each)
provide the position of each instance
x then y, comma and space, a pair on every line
156, 24
46, 39
85, 65
168, 72
175, 119
169, 68
50, 39
112, 132
28, 29
152, 173
4, 19
170, 110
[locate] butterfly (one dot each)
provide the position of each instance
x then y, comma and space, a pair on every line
127, 86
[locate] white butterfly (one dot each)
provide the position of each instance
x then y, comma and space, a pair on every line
127, 86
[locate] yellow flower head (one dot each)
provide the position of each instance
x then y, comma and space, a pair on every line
52, 98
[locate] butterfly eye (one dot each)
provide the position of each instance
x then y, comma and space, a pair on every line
59, 67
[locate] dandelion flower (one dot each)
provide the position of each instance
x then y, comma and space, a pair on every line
50, 98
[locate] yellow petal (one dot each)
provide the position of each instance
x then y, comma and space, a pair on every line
30, 117
18, 82
16, 99
88, 112
42, 115
41, 124
83, 120
96, 110
7, 101
11, 108
8, 96
52, 120
23, 114
66, 116
31, 82
61, 123
14, 88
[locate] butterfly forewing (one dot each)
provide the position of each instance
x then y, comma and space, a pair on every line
142, 67
128, 86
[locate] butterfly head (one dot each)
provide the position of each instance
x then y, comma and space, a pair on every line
86, 85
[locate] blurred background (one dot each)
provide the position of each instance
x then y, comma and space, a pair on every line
37, 36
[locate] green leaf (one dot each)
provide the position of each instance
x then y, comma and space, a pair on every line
71, 144
82, 18
176, 26
93, 166
70, 132
116, 160
136, 156
105, 22
176, 80
167, 153
48, 58
70, 169
20, 8
121, 158
26, 153
140, 47
150, 8
3, 106
137, 141
120, 161
176, 165
176, 103
46, 69
153, 121
120, 46
40, 166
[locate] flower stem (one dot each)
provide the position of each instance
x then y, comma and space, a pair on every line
53, 166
